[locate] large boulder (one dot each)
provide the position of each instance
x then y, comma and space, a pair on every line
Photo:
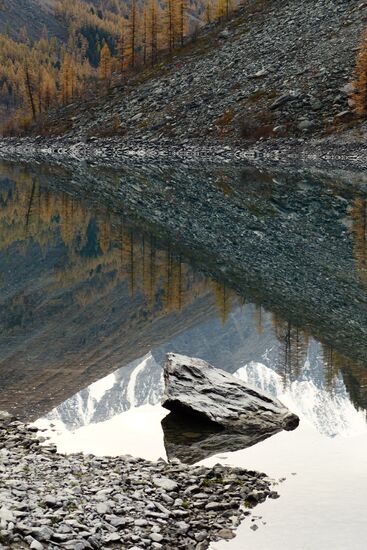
195, 388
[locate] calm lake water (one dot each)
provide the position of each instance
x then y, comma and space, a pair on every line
94, 294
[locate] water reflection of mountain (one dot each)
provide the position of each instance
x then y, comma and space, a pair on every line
330, 410
86, 290
140, 382
326, 405
84, 294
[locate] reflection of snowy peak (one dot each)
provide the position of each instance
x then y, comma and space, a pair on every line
140, 382
331, 413
137, 384
145, 384
302, 387
261, 377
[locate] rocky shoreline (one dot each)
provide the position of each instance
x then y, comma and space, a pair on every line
115, 152
285, 100
50, 500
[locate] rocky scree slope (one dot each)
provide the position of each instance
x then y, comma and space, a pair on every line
276, 69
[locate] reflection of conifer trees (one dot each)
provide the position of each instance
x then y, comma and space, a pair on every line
241, 301
145, 263
132, 264
173, 282
67, 226
359, 217
127, 258
258, 319
177, 285
168, 275
294, 347
152, 268
30, 204
331, 367
355, 379
104, 233
46, 206
353, 373
293, 350
223, 299
149, 267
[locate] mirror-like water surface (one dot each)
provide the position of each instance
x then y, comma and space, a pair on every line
262, 274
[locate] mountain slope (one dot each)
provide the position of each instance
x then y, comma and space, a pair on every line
34, 15
276, 65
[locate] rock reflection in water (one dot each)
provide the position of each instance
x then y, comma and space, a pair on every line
191, 439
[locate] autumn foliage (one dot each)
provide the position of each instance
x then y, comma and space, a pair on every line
360, 96
104, 42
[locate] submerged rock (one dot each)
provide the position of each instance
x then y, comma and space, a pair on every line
194, 387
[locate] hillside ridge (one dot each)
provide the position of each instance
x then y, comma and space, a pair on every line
33, 15
276, 69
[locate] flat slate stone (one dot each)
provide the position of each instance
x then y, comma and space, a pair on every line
165, 483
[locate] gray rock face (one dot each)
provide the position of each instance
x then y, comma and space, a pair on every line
196, 387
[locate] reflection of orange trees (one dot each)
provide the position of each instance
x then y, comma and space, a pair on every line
224, 298
359, 217
355, 379
98, 247
360, 96
159, 274
173, 281
18, 204
149, 270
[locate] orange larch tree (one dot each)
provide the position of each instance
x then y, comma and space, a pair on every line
153, 31
105, 64
360, 96
181, 20
133, 31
